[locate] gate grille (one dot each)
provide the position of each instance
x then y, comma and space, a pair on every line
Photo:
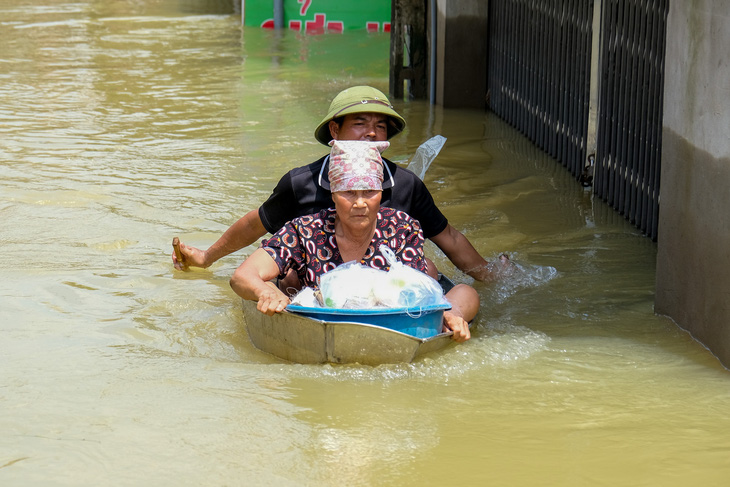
539, 73
628, 148
538, 81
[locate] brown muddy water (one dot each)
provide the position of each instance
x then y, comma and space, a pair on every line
125, 123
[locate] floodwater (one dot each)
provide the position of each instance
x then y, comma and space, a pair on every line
124, 123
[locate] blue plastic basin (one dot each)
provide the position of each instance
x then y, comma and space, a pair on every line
421, 322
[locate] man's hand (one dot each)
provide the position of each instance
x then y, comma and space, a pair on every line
493, 271
463, 255
190, 257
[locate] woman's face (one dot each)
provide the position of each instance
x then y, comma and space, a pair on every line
357, 209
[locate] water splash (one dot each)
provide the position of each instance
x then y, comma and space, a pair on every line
501, 347
519, 276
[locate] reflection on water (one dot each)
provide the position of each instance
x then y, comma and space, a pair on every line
126, 123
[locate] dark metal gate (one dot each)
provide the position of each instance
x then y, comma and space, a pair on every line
539, 73
628, 151
539, 81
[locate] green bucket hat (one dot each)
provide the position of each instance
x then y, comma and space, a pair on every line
359, 99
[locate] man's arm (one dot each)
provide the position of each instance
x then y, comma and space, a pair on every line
244, 232
464, 256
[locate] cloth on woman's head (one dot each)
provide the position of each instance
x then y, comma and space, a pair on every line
356, 165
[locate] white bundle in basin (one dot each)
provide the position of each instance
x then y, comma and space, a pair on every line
356, 286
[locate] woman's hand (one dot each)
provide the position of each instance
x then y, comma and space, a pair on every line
252, 281
457, 324
272, 300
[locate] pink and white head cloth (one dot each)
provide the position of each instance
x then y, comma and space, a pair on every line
356, 165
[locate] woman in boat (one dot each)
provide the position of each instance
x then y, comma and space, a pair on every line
351, 231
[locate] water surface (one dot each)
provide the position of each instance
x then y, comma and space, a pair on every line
126, 123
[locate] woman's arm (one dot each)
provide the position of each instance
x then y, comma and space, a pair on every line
252, 281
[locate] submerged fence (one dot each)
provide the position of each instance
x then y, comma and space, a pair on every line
539, 73
541, 58
628, 153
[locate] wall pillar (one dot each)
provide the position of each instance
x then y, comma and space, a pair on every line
693, 258
461, 53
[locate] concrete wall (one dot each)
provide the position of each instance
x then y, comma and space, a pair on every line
693, 261
461, 53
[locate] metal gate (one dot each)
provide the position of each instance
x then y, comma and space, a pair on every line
628, 152
539, 80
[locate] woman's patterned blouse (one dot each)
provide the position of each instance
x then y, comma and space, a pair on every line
308, 245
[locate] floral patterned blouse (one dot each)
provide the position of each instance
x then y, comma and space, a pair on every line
308, 245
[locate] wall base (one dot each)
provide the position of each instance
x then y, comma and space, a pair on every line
693, 256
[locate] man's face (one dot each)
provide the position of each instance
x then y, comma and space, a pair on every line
361, 126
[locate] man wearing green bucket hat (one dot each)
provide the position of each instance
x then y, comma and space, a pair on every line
357, 113
362, 101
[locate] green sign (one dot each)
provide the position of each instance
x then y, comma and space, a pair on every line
321, 16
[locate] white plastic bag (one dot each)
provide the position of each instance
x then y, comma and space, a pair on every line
356, 286
306, 297
425, 154
349, 286
415, 288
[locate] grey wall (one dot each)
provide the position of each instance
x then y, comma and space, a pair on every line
693, 261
